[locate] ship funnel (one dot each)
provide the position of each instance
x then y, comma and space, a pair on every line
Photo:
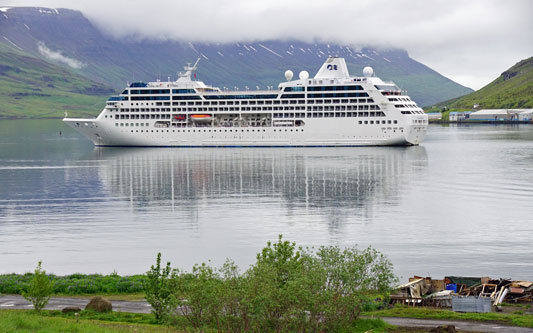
333, 68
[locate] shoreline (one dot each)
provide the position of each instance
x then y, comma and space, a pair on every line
482, 122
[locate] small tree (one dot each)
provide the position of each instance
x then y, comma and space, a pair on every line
201, 297
160, 289
40, 289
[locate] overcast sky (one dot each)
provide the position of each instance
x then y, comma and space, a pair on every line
471, 42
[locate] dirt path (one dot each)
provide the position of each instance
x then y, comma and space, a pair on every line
471, 326
58, 303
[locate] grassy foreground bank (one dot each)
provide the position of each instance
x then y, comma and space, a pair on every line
30, 321
55, 321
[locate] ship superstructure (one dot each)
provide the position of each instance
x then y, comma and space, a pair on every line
330, 109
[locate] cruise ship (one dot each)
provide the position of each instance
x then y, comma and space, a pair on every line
331, 109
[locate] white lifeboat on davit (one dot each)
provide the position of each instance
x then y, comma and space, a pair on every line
201, 118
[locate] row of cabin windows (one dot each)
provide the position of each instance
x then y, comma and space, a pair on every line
360, 122
289, 115
157, 91
399, 99
219, 131
276, 102
405, 105
240, 96
343, 107
323, 88
244, 108
413, 112
143, 116
344, 114
196, 97
275, 115
377, 122
256, 108
132, 124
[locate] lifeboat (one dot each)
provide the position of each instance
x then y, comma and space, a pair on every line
201, 118
180, 117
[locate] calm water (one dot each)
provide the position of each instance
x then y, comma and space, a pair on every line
460, 204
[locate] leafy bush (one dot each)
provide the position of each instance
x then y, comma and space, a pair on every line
287, 289
40, 289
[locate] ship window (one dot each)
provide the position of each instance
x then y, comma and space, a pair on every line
396, 121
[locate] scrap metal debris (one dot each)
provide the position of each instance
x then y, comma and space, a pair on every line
425, 291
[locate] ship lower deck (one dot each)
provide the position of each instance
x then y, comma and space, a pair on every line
313, 133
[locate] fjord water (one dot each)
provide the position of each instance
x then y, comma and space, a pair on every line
459, 204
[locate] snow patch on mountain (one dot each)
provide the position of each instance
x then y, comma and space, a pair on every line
15, 45
269, 50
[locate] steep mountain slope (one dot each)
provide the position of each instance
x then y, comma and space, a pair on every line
31, 87
70, 39
513, 89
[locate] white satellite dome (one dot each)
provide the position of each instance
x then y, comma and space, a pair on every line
289, 74
368, 71
304, 75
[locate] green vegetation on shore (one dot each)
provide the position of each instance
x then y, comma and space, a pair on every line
513, 89
12, 321
31, 87
77, 284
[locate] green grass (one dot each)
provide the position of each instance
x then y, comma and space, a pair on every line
88, 321
524, 320
78, 284
33, 88
30, 321
511, 90
119, 317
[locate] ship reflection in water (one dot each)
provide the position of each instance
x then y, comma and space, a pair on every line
338, 185
458, 205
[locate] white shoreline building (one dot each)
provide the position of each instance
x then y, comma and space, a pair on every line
502, 115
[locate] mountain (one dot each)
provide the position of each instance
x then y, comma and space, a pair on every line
69, 39
32, 87
513, 89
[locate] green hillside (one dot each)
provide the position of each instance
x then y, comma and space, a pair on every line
513, 89
31, 87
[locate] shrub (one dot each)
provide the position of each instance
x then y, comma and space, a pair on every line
287, 289
40, 289
159, 288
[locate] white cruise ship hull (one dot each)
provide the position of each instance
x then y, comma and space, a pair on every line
316, 133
